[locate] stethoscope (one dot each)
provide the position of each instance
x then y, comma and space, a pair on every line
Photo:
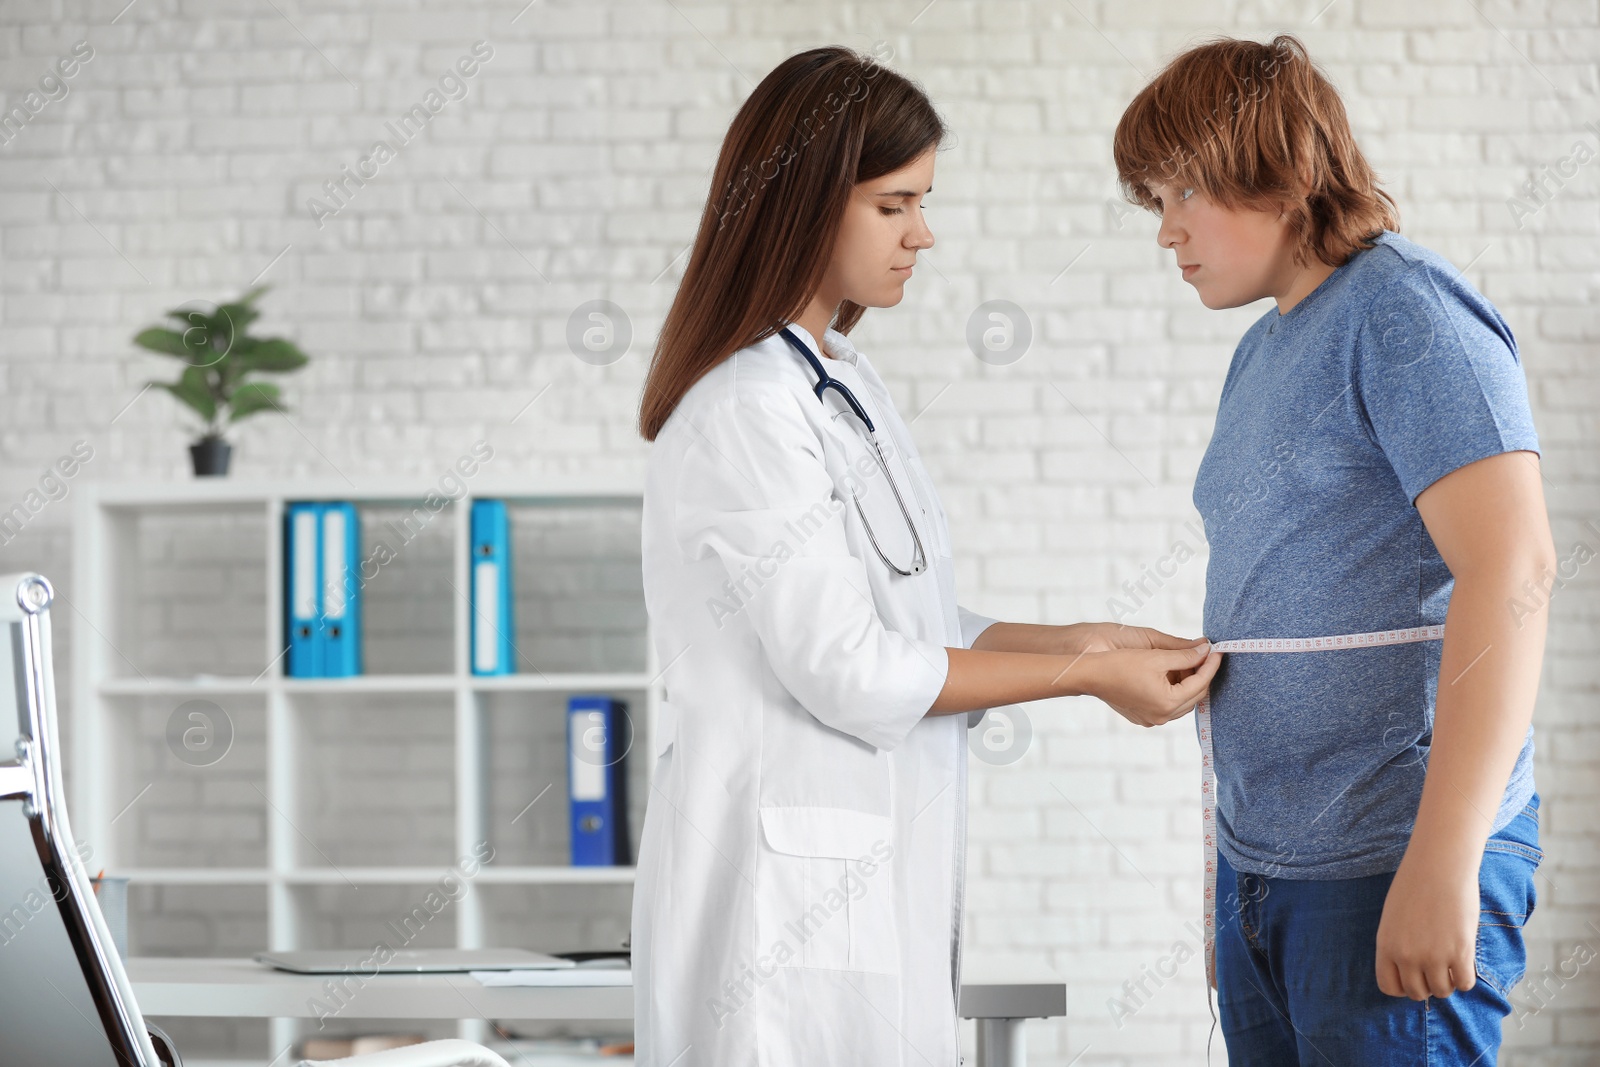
825, 381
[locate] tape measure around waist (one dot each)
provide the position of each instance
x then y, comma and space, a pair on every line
1208, 771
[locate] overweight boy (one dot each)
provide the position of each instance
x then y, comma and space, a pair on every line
1374, 467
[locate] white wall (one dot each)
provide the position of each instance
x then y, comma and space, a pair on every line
436, 304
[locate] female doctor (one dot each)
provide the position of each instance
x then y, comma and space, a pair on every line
799, 886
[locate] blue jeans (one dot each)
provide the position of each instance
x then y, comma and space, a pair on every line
1297, 962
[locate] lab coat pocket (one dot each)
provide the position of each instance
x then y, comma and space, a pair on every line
825, 890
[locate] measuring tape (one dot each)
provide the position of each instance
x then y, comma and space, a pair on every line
1208, 770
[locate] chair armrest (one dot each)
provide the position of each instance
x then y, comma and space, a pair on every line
450, 1052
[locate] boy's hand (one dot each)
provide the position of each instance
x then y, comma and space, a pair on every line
1428, 936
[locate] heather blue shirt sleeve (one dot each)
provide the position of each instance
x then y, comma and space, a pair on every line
1439, 378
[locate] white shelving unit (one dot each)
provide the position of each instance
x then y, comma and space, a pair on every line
110, 679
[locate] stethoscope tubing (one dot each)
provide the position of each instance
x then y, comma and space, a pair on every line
826, 381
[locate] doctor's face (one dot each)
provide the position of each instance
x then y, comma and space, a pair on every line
1232, 256
882, 231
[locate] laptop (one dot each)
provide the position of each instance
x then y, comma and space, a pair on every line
411, 961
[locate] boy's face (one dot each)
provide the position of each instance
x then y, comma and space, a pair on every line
1232, 256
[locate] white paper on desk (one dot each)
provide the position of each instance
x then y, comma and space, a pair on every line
574, 976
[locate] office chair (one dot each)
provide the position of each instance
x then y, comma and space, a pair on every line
64, 997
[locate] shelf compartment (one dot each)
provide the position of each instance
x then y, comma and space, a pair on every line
526, 790
199, 684
563, 682
407, 581
192, 590
577, 586
196, 920
422, 914
375, 782
202, 920
193, 875
373, 683
557, 918
378, 683
188, 768
212, 492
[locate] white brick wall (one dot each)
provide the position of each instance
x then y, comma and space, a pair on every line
435, 307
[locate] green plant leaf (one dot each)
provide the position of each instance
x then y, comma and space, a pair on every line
207, 336
221, 355
168, 343
193, 390
217, 331
268, 355
252, 397
241, 312
197, 380
229, 375
213, 331
238, 317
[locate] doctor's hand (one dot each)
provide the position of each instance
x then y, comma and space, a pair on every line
1076, 638
1104, 636
1149, 687
1153, 679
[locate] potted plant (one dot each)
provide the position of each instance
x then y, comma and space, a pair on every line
221, 356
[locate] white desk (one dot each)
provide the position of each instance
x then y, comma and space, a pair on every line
243, 988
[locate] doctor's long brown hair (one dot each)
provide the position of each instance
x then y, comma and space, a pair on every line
821, 122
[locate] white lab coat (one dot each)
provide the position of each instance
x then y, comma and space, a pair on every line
799, 887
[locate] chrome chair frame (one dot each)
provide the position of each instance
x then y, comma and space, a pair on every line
34, 778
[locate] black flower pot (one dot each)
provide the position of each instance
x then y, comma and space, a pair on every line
210, 456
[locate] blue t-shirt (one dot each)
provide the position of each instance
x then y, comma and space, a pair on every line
1392, 373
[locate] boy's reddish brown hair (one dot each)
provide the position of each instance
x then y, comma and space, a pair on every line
1256, 126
